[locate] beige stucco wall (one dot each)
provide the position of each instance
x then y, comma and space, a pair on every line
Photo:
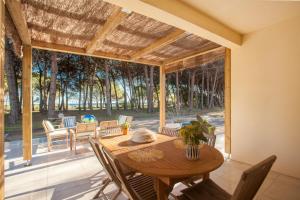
266, 97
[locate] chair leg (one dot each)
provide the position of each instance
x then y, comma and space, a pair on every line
67, 140
106, 182
49, 144
71, 141
75, 145
117, 194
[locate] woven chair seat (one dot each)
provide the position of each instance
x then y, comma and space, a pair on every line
143, 186
205, 190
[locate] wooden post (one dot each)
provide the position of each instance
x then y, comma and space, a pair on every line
27, 94
2, 53
162, 97
227, 101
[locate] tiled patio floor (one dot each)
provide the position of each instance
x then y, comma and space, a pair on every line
62, 175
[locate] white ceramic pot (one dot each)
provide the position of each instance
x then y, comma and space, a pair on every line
192, 152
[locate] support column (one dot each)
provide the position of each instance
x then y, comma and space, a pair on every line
27, 106
227, 101
162, 97
2, 53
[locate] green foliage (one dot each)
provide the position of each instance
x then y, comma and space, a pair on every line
126, 125
192, 134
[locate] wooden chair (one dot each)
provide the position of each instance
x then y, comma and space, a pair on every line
53, 133
113, 127
82, 132
246, 189
138, 187
68, 121
109, 172
211, 141
173, 132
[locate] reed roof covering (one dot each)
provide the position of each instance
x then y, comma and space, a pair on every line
95, 27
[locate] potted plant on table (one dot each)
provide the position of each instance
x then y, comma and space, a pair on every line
192, 136
125, 128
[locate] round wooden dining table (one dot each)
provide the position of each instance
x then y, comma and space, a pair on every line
164, 159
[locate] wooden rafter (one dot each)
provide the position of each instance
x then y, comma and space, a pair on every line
191, 55
14, 8
172, 37
111, 23
57, 33
180, 67
81, 51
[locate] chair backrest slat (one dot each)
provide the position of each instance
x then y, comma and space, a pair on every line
114, 163
69, 121
108, 124
86, 127
170, 131
211, 139
252, 179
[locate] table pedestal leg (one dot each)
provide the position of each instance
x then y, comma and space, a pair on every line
205, 176
162, 189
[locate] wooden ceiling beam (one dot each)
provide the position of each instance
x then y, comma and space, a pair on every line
164, 41
111, 23
14, 8
191, 55
181, 15
81, 51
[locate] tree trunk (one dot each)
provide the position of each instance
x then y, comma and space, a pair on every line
40, 90
130, 88
85, 96
213, 89
207, 88
191, 103
107, 90
157, 94
62, 90
79, 100
147, 83
202, 89
67, 98
91, 84
116, 93
151, 90
125, 93
45, 88
51, 102
177, 94
91, 97
12, 86
142, 92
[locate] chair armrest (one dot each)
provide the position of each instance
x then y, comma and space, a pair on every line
59, 129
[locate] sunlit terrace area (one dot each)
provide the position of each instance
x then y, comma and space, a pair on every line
148, 99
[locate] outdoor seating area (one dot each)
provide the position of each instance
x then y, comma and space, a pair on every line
149, 100
81, 131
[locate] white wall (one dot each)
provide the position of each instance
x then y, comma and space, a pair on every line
266, 97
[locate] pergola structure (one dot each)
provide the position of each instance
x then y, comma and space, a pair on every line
100, 29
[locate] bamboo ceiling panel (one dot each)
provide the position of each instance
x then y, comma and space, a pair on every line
75, 23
